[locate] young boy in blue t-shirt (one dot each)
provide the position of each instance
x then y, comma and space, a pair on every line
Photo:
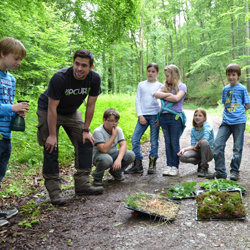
12, 52
236, 101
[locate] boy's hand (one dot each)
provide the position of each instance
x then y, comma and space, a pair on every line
22, 114
142, 120
20, 107
117, 165
115, 131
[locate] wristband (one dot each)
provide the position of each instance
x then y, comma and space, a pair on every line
86, 130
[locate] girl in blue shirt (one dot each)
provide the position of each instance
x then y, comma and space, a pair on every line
202, 138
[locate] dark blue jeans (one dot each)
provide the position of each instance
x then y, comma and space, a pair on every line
171, 129
223, 134
5, 151
154, 137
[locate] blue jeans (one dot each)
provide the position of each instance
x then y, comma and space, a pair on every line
105, 161
5, 151
171, 129
223, 134
154, 137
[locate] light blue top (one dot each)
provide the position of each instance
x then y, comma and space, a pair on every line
7, 94
234, 98
206, 132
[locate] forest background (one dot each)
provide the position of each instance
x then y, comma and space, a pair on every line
201, 37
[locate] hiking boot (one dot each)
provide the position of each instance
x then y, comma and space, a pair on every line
203, 172
166, 172
136, 167
216, 175
97, 182
174, 171
152, 165
58, 200
8, 213
234, 176
3, 222
199, 168
90, 191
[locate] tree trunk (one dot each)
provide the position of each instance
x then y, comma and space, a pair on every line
170, 37
233, 38
141, 48
111, 85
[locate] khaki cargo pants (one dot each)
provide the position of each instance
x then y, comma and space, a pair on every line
73, 125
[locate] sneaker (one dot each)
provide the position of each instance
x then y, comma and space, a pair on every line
114, 174
97, 183
234, 176
58, 200
8, 213
136, 167
167, 170
3, 222
152, 165
203, 172
121, 178
216, 175
90, 191
174, 171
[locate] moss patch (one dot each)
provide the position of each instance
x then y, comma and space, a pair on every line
220, 205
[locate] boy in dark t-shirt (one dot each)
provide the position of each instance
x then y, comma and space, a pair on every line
57, 106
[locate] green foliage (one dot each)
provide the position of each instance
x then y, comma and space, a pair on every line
32, 212
185, 190
221, 184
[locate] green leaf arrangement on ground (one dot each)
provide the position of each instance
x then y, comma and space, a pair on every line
178, 191
152, 204
220, 205
221, 184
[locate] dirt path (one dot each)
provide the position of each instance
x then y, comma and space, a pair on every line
102, 222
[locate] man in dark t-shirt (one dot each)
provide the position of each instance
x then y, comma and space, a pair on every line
58, 106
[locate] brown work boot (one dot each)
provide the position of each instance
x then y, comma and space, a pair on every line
90, 191
58, 200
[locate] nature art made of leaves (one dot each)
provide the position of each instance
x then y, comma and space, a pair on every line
221, 184
177, 191
152, 204
220, 205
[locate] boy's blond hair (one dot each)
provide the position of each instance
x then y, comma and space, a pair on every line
11, 45
176, 79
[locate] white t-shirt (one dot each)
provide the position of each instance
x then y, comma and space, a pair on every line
146, 103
